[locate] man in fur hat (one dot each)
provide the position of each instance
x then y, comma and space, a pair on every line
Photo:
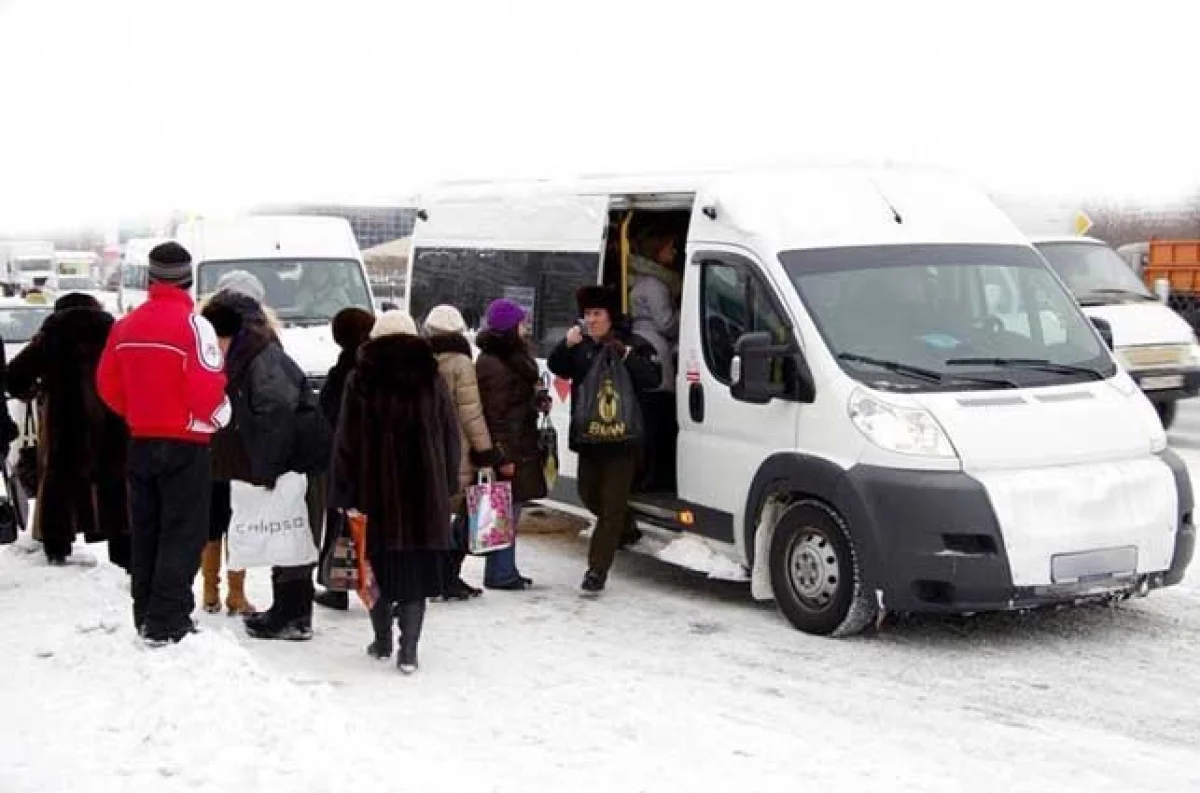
607, 471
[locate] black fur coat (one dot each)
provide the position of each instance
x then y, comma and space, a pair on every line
83, 445
397, 447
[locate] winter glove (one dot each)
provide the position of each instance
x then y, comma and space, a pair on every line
486, 459
543, 402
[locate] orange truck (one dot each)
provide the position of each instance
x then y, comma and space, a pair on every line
1177, 262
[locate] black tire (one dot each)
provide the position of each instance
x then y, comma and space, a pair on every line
815, 572
1166, 413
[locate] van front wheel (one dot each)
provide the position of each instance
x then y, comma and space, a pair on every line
1166, 413
815, 573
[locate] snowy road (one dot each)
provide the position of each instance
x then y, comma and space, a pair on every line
669, 682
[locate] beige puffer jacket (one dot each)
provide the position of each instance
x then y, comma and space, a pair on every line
453, 354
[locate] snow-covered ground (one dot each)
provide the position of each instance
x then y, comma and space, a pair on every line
671, 681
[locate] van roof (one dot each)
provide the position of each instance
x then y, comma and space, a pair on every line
269, 237
796, 207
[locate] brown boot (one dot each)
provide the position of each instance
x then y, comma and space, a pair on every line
236, 602
210, 568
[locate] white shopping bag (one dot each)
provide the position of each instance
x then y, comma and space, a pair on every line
270, 528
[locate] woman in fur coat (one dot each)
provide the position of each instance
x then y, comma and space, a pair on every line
396, 460
82, 444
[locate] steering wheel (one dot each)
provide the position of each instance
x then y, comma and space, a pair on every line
990, 323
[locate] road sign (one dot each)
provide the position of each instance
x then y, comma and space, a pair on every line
1082, 223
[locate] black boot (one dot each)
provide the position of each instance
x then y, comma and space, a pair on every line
290, 615
381, 622
410, 620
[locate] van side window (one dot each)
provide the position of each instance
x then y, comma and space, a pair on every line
544, 282
734, 301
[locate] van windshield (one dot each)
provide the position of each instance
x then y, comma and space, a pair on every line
76, 282
299, 291
1094, 273
35, 265
947, 317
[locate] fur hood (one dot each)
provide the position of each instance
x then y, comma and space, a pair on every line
502, 345
450, 343
512, 349
83, 326
261, 315
404, 363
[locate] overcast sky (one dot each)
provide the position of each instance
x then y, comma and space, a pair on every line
123, 106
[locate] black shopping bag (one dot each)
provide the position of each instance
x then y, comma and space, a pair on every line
606, 411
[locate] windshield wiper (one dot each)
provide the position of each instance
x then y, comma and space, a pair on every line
1094, 295
925, 374
1041, 364
893, 366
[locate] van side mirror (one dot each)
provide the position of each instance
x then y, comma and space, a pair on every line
762, 370
1105, 330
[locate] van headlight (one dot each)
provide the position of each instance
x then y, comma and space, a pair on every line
898, 429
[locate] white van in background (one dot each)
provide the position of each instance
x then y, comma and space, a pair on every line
886, 399
1153, 343
134, 269
310, 266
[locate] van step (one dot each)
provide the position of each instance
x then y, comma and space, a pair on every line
668, 511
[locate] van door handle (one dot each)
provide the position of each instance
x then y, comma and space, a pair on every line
696, 402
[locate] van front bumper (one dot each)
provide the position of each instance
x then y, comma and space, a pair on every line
931, 542
1181, 383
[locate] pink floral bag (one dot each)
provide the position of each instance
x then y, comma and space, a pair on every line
489, 516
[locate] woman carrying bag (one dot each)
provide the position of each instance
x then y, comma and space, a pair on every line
445, 329
396, 461
277, 429
509, 384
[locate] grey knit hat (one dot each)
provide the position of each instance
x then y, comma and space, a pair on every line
242, 283
171, 264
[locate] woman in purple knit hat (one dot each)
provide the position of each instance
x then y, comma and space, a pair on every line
509, 385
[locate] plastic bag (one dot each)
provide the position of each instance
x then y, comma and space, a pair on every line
270, 528
489, 513
548, 449
606, 410
368, 588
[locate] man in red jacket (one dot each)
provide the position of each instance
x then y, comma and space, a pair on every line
162, 371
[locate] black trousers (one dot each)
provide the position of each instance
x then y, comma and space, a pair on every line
170, 492
605, 484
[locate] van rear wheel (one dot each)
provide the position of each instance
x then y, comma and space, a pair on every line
815, 573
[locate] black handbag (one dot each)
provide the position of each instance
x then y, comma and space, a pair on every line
339, 568
27, 455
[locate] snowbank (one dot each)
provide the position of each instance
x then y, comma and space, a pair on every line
87, 707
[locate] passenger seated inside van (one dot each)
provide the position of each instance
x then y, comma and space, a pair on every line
655, 299
320, 296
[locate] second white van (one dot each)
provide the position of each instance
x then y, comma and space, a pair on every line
311, 268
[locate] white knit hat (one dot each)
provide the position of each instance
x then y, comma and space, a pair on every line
445, 319
394, 323
242, 283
